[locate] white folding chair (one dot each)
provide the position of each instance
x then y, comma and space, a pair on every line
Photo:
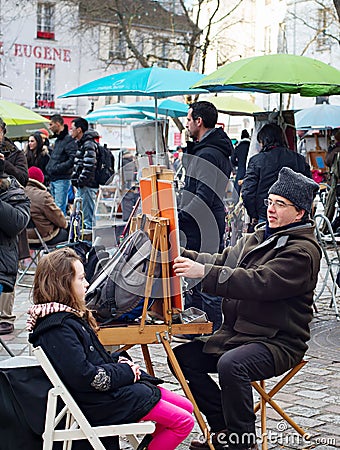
329, 246
76, 425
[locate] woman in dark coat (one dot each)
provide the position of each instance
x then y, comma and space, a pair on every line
109, 388
37, 153
263, 170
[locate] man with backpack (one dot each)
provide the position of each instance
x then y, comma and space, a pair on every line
85, 167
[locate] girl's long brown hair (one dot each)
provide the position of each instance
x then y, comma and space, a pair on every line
53, 282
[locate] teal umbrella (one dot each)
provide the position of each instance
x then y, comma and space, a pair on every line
156, 82
116, 114
109, 113
279, 73
166, 107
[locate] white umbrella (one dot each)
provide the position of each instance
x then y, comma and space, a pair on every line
318, 117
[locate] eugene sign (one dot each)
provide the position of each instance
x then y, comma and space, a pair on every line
42, 52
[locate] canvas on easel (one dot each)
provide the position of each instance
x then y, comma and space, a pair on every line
167, 208
317, 160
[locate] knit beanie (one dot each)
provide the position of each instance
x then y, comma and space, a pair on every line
296, 188
36, 174
44, 132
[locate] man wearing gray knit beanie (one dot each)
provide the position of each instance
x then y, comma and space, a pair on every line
267, 281
296, 188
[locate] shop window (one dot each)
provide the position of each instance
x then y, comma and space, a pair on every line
45, 20
44, 85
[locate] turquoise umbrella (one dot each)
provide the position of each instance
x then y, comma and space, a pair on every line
279, 73
166, 107
109, 113
156, 82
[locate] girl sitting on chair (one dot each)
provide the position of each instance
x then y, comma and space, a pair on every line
109, 388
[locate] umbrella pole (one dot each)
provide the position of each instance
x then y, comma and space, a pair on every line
281, 105
156, 131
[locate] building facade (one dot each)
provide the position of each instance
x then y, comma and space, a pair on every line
48, 48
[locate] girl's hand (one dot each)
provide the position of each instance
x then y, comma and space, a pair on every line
134, 367
136, 370
185, 267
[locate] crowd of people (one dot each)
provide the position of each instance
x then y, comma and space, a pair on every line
258, 294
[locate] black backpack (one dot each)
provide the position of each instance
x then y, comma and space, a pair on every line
119, 287
105, 165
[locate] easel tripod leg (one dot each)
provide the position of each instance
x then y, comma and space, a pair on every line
147, 359
180, 377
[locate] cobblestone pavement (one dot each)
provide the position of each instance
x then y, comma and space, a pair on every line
312, 397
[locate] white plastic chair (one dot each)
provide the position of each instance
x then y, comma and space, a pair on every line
76, 425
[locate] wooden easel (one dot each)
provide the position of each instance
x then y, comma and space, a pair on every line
145, 334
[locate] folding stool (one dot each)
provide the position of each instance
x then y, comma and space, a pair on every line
267, 397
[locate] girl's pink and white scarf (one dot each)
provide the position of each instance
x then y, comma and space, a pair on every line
37, 311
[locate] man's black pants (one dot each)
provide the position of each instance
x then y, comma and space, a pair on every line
230, 405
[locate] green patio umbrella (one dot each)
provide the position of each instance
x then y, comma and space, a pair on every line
278, 73
234, 106
20, 121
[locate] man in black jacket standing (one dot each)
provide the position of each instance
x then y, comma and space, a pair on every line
84, 171
202, 213
60, 165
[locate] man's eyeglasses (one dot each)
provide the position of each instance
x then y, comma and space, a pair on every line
276, 203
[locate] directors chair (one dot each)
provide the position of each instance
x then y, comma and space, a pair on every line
267, 397
76, 425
